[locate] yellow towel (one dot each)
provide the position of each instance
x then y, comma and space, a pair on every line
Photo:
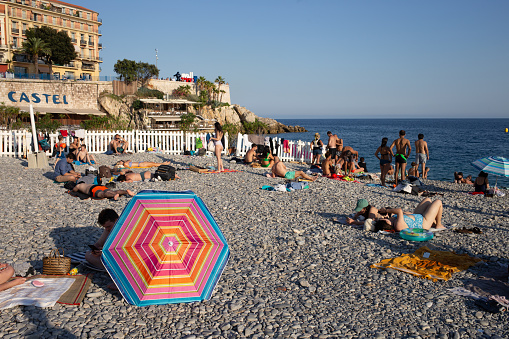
439, 265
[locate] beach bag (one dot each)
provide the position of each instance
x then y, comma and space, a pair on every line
104, 172
56, 263
165, 172
210, 146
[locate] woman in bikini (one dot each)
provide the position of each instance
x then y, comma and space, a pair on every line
481, 183
132, 164
426, 215
218, 145
385, 159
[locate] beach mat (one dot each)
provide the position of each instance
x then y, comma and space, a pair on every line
76, 293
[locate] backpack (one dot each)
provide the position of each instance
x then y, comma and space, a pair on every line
165, 172
104, 172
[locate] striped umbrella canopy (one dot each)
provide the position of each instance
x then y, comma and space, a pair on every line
165, 248
493, 165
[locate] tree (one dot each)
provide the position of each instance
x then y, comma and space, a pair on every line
127, 70
35, 47
62, 49
186, 120
182, 91
219, 81
145, 71
200, 82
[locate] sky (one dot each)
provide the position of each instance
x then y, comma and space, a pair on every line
325, 59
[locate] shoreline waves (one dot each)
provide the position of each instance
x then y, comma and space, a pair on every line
293, 273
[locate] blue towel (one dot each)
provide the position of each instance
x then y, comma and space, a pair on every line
374, 185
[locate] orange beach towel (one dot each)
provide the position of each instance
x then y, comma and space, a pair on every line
434, 266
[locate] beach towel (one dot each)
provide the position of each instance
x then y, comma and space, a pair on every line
76, 293
374, 185
27, 294
433, 265
79, 163
226, 170
80, 133
64, 133
286, 146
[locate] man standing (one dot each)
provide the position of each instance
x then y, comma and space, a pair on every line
421, 147
331, 144
403, 150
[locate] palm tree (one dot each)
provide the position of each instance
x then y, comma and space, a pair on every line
200, 82
34, 47
219, 81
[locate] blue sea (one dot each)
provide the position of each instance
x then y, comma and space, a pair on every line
453, 143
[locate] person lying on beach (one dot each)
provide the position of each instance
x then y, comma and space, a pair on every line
6, 273
279, 170
327, 166
250, 156
131, 164
143, 176
458, 179
100, 192
64, 171
362, 209
426, 215
84, 156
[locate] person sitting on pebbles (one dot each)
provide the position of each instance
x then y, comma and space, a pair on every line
327, 166
131, 164
6, 273
64, 171
143, 176
250, 156
426, 215
100, 192
85, 157
107, 219
279, 170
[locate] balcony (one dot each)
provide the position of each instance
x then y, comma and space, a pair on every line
83, 42
20, 58
91, 43
100, 45
74, 40
88, 67
15, 30
100, 20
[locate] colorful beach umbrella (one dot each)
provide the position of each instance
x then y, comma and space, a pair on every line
165, 248
493, 165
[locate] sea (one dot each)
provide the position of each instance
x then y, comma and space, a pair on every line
453, 143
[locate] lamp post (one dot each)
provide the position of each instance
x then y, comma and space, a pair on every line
156, 58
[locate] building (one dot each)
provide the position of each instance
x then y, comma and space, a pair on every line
82, 25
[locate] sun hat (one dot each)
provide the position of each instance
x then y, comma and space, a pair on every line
361, 203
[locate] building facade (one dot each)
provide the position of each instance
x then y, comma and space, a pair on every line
81, 24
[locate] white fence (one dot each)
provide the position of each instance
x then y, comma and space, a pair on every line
16, 143
286, 151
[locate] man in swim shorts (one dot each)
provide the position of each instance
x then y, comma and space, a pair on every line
331, 145
422, 154
403, 150
143, 176
279, 170
100, 192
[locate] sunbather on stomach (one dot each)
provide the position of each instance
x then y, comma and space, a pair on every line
132, 164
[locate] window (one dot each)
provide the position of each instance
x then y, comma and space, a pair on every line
69, 75
33, 3
81, 26
70, 11
64, 22
91, 53
15, 42
45, 19
24, 28
14, 25
24, 14
20, 70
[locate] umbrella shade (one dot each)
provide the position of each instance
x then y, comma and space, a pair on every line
165, 248
493, 165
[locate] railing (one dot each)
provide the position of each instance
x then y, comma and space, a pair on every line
91, 43
83, 42
15, 30
74, 40
17, 143
100, 45
88, 67
288, 151
7, 75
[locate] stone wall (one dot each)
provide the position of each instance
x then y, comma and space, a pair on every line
167, 87
53, 93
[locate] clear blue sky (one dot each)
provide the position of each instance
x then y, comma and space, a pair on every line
319, 59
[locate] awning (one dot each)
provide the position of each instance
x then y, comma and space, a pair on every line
44, 110
165, 118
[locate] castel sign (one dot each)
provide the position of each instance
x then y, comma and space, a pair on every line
36, 98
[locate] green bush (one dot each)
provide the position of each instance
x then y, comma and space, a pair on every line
105, 123
144, 92
254, 127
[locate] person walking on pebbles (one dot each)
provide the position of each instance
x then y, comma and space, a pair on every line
6, 273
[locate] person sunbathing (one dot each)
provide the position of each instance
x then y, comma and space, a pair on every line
84, 156
426, 215
327, 166
458, 179
100, 192
131, 164
250, 156
279, 170
6, 273
267, 159
143, 176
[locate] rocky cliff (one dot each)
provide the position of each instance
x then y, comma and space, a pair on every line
236, 115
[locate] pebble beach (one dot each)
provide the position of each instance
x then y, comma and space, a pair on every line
293, 272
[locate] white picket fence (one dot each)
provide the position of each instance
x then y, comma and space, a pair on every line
294, 151
15, 143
